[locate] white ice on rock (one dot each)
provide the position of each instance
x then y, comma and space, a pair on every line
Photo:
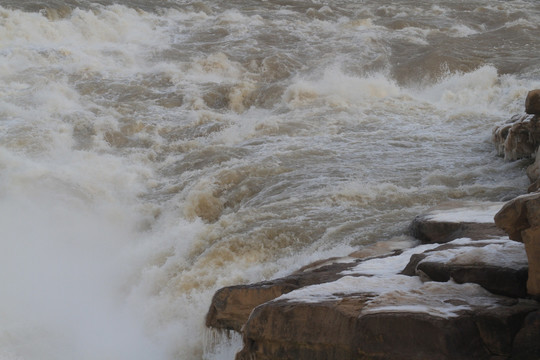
389, 291
502, 252
387, 265
471, 213
399, 293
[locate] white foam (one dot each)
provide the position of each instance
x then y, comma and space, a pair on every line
461, 30
62, 270
340, 90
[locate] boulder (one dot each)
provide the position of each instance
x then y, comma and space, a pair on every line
231, 306
520, 218
532, 102
407, 320
455, 220
498, 328
478, 262
527, 341
338, 330
519, 214
517, 139
533, 173
531, 239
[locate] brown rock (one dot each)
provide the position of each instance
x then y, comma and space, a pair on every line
337, 329
519, 143
499, 135
532, 102
347, 315
439, 225
534, 187
531, 238
498, 327
498, 280
533, 170
232, 305
517, 139
527, 341
508, 280
518, 215
520, 218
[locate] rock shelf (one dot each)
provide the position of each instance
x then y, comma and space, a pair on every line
463, 299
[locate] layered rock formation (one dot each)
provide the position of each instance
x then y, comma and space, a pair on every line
458, 300
520, 218
450, 221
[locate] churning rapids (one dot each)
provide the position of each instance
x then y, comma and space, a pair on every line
153, 151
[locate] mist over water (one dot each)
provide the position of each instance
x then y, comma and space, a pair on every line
152, 152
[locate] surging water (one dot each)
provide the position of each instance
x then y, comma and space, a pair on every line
152, 152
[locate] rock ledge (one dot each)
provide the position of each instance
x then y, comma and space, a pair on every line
464, 299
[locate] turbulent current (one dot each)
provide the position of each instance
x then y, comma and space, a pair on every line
152, 152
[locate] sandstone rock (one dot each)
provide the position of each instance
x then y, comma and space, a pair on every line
518, 139
364, 308
533, 170
503, 281
520, 218
476, 262
456, 220
534, 187
527, 341
232, 305
337, 330
531, 239
532, 102
348, 326
519, 214
498, 327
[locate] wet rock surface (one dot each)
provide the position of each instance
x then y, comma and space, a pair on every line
231, 306
520, 218
526, 345
532, 102
473, 262
518, 138
464, 299
338, 329
455, 220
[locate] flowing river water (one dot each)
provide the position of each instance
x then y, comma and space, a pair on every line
153, 151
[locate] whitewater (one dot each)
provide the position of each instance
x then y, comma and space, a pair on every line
152, 152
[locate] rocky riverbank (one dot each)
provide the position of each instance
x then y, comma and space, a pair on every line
463, 290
